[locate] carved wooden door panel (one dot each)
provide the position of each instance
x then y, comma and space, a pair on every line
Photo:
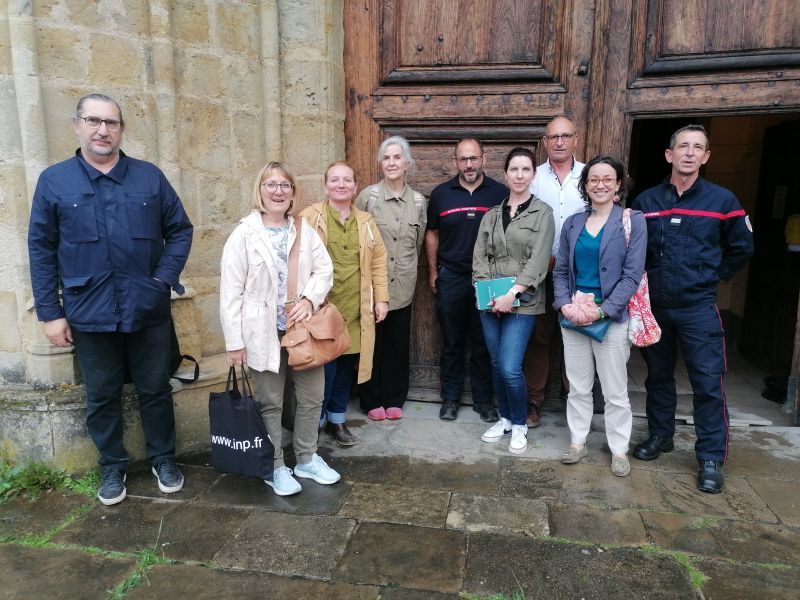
435, 71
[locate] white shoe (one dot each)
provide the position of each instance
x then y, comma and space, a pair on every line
318, 470
497, 431
283, 483
519, 439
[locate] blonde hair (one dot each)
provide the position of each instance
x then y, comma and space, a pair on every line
266, 171
340, 163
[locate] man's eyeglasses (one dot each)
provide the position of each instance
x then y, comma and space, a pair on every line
606, 181
464, 160
95, 122
271, 186
563, 136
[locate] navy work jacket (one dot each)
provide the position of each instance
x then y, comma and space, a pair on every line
114, 243
694, 241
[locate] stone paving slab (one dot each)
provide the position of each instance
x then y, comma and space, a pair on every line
730, 580
143, 484
758, 542
491, 514
22, 516
183, 582
593, 486
781, 496
620, 527
197, 533
529, 479
547, 570
126, 527
315, 499
58, 574
392, 504
683, 533
475, 478
393, 593
405, 556
387, 470
306, 546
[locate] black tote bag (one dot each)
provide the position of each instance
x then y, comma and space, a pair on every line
239, 440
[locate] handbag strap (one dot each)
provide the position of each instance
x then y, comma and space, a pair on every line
626, 225
231, 379
292, 262
246, 383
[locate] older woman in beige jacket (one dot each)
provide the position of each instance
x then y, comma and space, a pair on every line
255, 315
360, 289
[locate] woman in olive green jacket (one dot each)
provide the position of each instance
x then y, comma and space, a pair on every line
514, 240
360, 289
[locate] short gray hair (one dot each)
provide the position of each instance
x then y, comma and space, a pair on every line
101, 98
404, 146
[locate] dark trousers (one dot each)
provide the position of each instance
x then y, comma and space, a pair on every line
459, 319
698, 330
546, 334
388, 385
102, 358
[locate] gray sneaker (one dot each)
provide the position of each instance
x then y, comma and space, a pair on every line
318, 470
282, 482
112, 486
169, 476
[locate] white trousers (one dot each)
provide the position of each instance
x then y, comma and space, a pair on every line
581, 356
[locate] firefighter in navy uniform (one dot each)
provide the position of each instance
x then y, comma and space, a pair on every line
698, 235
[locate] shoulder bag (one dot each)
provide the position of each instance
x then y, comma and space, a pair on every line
321, 338
643, 329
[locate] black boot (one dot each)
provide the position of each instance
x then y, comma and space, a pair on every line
487, 412
652, 447
709, 476
449, 411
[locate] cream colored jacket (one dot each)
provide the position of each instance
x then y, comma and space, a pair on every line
248, 295
374, 281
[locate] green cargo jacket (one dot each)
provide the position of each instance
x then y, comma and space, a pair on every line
521, 251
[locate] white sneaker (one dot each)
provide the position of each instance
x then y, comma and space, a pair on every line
283, 483
497, 431
318, 470
519, 439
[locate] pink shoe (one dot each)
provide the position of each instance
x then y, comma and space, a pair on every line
377, 414
394, 413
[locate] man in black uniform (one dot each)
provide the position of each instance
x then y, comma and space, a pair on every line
697, 236
455, 211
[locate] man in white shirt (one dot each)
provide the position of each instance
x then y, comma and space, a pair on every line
556, 183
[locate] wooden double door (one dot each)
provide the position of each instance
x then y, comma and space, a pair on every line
435, 71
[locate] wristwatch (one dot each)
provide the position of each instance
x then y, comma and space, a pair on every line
517, 295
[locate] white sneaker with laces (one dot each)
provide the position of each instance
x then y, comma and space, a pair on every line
497, 431
283, 483
519, 439
318, 470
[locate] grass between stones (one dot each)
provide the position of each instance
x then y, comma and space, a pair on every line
35, 478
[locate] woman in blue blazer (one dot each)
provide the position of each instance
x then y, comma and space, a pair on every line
594, 257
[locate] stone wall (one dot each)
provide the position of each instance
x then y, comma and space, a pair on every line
210, 89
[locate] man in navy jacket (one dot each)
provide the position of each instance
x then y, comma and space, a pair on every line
698, 235
110, 233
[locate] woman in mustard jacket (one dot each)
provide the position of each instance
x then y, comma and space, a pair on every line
360, 288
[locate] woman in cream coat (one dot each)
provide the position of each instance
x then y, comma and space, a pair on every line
360, 289
255, 315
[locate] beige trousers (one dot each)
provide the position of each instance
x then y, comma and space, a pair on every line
309, 388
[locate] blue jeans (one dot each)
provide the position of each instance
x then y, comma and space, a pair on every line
338, 382
459, 320
103, 358
507, 336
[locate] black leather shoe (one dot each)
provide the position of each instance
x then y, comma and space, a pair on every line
653, 447
449, 411
709, 477
488, 413
340, 433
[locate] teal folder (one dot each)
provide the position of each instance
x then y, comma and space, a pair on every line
487, 290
